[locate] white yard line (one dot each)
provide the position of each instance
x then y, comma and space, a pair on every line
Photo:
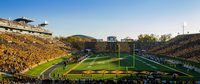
166, 66
47, 69
92, 63
147, 64
76, 66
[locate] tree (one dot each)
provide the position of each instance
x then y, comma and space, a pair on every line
147, 38
165, 37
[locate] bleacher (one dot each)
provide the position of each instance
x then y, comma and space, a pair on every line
184, 46
22, 51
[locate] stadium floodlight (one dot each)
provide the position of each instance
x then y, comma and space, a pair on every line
184, 25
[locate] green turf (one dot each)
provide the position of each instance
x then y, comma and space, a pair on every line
196, 74
181, 59
1, 77
111, 62
98, 62
59, 71
39, 69
4, 77
193, 73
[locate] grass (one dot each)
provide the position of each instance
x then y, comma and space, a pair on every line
40, 68
181, 60
143, 64
195, 74
5, 77
107, 62
59, 71
111, 62
1, 77
98, 62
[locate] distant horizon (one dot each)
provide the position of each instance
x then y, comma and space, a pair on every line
102, 18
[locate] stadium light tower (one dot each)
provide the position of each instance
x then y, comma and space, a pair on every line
184, 25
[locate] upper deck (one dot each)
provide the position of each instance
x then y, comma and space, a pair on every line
10, 25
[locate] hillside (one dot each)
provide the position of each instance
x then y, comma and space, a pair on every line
77, 42
80, 38
83, 36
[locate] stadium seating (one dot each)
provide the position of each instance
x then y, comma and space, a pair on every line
24, 79
20, 51
183, 46
18, 25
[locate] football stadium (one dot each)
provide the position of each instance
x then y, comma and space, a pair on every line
32, 53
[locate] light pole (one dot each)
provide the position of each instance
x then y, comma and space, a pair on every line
184, 25
183, 29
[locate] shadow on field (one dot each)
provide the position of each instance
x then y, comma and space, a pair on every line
125, 61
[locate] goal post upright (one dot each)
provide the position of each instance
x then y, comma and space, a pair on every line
119, 54
133, 55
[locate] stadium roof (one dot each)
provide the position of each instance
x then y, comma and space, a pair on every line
25, 19
44, 23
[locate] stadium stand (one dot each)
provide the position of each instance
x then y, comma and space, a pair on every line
23, 79
183, 46
20, 25
21, 51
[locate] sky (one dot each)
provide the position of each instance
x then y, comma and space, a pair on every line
102, 18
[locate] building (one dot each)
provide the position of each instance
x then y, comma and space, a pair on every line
127, 39
112, 39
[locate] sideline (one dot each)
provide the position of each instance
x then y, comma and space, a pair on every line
93, 61
166, 66
46, 73
43, 62
52, 66
75, 66
7, 74
152, 66
45, 69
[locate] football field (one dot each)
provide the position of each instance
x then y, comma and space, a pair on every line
105, 66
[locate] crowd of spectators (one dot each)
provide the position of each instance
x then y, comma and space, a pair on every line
23, 79
20, 51
155, 58
183, 46
120, 81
